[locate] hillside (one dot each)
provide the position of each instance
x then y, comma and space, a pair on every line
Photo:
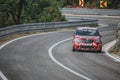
35, 11
116, 48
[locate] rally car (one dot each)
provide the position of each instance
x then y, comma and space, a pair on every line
87, 39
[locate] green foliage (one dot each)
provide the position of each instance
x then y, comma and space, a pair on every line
30, 11
5, 10
42, 11
11, 10
115, 4
51, 14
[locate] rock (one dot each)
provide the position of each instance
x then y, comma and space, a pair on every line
117, 45
118, 32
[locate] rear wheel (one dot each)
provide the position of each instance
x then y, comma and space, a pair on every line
99, 51
73, 49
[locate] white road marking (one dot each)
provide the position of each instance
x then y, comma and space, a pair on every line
60, 64
106, 47
2, 46
3, 76
50, 54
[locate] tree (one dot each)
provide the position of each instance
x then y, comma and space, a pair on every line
42, 11
13, 9
29, 11
115, 4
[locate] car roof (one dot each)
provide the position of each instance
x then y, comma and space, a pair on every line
81, 28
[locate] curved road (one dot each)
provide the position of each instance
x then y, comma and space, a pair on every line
28, 59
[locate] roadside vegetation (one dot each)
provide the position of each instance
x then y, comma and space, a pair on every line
116, 48
29, 11
35, 11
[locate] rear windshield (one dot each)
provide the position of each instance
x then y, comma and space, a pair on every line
87, 32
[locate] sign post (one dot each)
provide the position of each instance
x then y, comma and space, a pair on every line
103, 3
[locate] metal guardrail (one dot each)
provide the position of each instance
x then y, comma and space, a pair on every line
45, 26
84, 11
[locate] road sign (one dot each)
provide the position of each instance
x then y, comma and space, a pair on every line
103, 3
81, 3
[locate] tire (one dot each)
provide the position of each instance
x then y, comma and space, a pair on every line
73, 49
99, 51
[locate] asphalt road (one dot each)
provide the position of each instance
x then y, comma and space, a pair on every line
28, 59
104, 19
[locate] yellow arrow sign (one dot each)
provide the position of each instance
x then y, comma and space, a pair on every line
81, 3
103, 3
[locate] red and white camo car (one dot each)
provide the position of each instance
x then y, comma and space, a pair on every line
87, 39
